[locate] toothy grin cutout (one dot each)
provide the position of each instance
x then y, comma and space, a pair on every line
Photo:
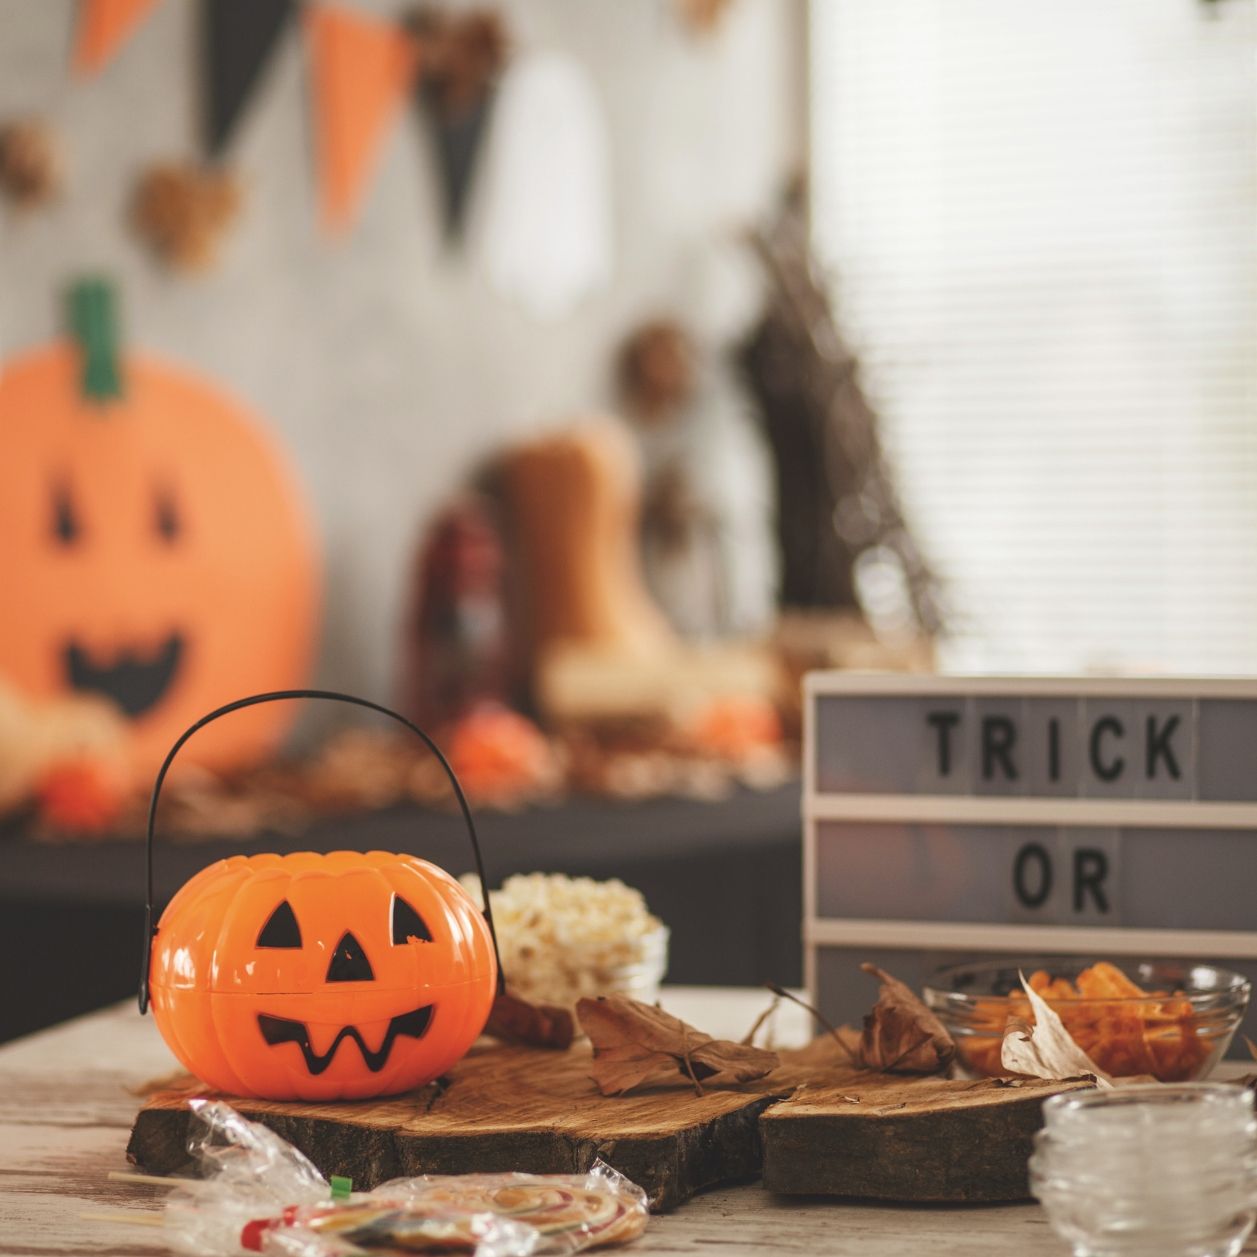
412, 1025
135, 682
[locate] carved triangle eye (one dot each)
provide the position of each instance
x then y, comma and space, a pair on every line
281, 928
166, 518
408, 924
65, 520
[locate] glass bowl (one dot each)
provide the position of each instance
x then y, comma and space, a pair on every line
1149, 1170
1176, 1033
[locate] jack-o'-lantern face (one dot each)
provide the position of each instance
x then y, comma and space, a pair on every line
321, 976
153, 551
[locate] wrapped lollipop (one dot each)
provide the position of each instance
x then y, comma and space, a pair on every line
257, 1193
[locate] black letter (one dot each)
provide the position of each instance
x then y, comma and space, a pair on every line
1159, 746
998, 735
1054, 749
1091, 867
944, 722
1032, 851
1113, 770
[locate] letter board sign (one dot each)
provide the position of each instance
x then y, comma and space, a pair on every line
957, 818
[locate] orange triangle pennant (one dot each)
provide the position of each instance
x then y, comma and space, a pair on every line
103, 27
362, 70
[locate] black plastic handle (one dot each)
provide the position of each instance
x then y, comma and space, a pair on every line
278, 696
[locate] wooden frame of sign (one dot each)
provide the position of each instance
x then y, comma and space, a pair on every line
962, 818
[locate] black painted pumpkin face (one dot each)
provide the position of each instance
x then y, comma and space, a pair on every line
321, 976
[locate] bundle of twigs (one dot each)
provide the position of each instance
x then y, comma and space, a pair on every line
836, 494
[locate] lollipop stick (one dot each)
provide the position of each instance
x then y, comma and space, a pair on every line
131, 1217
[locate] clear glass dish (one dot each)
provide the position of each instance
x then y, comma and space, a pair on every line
1177, 1034
1149, 1171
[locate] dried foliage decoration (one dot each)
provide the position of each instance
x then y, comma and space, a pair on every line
463, 55
31, 166
703, 17
516, 1020
182, 210
639, 1045
837, 497
901, 1035
655, 370
1045, 1049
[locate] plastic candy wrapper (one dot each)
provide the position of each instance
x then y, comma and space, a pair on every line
233, 1152
259, 1194
568, 1212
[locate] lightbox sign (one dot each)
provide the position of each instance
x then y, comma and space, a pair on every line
955, 818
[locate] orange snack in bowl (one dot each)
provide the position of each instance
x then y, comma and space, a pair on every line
1158, 1036
1106, 981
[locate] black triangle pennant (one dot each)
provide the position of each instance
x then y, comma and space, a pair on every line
457, 137
238, 38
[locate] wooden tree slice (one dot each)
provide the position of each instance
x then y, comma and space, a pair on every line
906, 1138
812, 1127
505, 1108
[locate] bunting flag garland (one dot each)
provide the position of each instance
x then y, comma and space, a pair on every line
544, 234
362, 70
238, 38
457, 139
103, 27
463, 57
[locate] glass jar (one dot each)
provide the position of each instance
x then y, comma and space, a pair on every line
1159, 1171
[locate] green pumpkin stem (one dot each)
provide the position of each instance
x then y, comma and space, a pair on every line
94, 326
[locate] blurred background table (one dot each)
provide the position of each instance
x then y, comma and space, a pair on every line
74, 912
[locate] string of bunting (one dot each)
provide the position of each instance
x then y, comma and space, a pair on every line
363, 69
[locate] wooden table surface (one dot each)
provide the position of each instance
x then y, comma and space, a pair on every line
68, 1096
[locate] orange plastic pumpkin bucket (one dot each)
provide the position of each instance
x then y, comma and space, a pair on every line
319, 977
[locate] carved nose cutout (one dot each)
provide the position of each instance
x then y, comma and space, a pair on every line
349, 962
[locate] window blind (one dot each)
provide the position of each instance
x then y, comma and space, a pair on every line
1041, 225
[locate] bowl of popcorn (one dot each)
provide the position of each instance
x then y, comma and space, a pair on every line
565, 938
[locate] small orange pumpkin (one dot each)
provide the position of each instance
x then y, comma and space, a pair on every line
154, 551
320, 977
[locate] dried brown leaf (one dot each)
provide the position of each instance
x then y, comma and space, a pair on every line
639, 1045
1045, 1049
516, 1020
901, 1035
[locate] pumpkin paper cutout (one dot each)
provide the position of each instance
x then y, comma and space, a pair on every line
362, 69
103, 27
155, 550
321, 977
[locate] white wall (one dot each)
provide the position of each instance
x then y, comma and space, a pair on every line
386, 365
